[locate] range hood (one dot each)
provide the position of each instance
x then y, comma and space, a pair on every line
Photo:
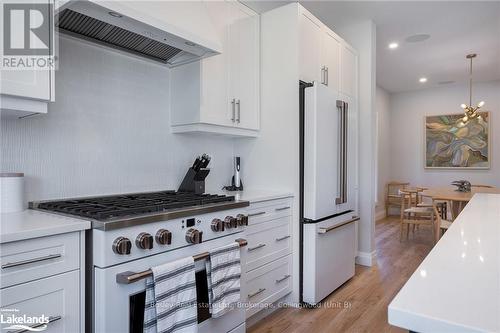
141, 28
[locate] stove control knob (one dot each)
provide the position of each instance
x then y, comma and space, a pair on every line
217, 225
230, 222
194, 236
144, 241
122, 245
164, 237
242, 219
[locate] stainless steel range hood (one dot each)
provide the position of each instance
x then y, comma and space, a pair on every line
131, 27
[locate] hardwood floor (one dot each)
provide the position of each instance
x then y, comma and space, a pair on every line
360, 305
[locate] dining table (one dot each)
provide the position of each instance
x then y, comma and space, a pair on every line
457, 199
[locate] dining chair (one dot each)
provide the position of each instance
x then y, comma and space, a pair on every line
443, 224
414, 216
393, 196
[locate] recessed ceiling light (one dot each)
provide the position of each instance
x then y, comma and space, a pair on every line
417, 38
393, 45
422, 80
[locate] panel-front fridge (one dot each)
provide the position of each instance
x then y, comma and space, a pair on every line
328, 132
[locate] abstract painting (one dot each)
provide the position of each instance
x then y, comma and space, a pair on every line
451, 143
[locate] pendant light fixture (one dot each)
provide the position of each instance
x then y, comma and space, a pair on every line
470, 111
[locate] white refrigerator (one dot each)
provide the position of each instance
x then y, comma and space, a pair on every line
329, 190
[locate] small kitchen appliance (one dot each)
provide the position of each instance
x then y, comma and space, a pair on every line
12, 192
236, 183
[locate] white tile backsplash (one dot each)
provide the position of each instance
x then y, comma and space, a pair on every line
108, 131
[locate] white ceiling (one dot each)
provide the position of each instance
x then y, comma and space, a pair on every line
456, 28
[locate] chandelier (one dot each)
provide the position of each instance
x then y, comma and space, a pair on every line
470, 111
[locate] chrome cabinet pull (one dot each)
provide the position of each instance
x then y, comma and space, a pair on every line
283, 238
233, 111
30, 261
238, 109
323, 74
282, 208
256, 214
256, 247
283, 278
326, 76
51, 320
325, 230
261, 290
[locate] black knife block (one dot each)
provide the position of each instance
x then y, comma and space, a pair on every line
194, 181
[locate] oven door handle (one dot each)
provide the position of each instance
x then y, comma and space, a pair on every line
131, 277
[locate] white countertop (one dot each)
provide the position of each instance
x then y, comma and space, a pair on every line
457, 286
254, 195
32, 223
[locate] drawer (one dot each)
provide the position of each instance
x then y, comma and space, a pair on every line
268, 284
36, 258
267, 242
264, 211
57, 298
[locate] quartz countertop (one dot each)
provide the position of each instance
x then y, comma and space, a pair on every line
457, 287
32, 223
255, 195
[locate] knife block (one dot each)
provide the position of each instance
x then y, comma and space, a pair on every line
194, 181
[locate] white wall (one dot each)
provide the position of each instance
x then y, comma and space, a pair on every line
383, 150
362, 36
407, 133
108, 131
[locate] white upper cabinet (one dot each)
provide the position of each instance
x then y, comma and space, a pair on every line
27, 90
220, 94
349, 61
324, 57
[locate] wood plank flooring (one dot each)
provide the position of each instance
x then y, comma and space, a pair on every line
360, 305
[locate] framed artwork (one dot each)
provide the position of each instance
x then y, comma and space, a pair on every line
452, 144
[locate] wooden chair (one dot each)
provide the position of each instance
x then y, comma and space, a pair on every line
443, 224
414, 216
393, 196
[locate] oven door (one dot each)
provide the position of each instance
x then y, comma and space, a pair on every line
120, 307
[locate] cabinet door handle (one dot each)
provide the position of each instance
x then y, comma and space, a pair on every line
51, 320
233, 112
238, 109
282, 208
323, 75
261, 290
256, 214
283, 278
283, 238
30, 261
256, 247
326, 76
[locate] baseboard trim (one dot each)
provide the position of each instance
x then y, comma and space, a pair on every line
366, 258
380, 215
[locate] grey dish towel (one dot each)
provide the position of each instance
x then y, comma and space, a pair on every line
171, 298
223, 274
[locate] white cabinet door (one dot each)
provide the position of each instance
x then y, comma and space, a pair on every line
56, 297
215, 107
349, 72
330, 58
310, 39
244, 66
33, 84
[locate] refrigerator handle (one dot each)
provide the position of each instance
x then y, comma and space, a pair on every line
343, 109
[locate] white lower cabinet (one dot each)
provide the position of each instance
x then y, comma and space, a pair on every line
57, 298
268, 257
43, 277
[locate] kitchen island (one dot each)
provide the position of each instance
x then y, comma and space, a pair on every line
457, 287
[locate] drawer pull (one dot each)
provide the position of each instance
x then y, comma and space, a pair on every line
256, 214
283, 278
282, 208
261, 290
51, 320
30, 261
256, 247
283, 238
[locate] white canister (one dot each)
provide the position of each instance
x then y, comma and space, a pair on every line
12, 192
